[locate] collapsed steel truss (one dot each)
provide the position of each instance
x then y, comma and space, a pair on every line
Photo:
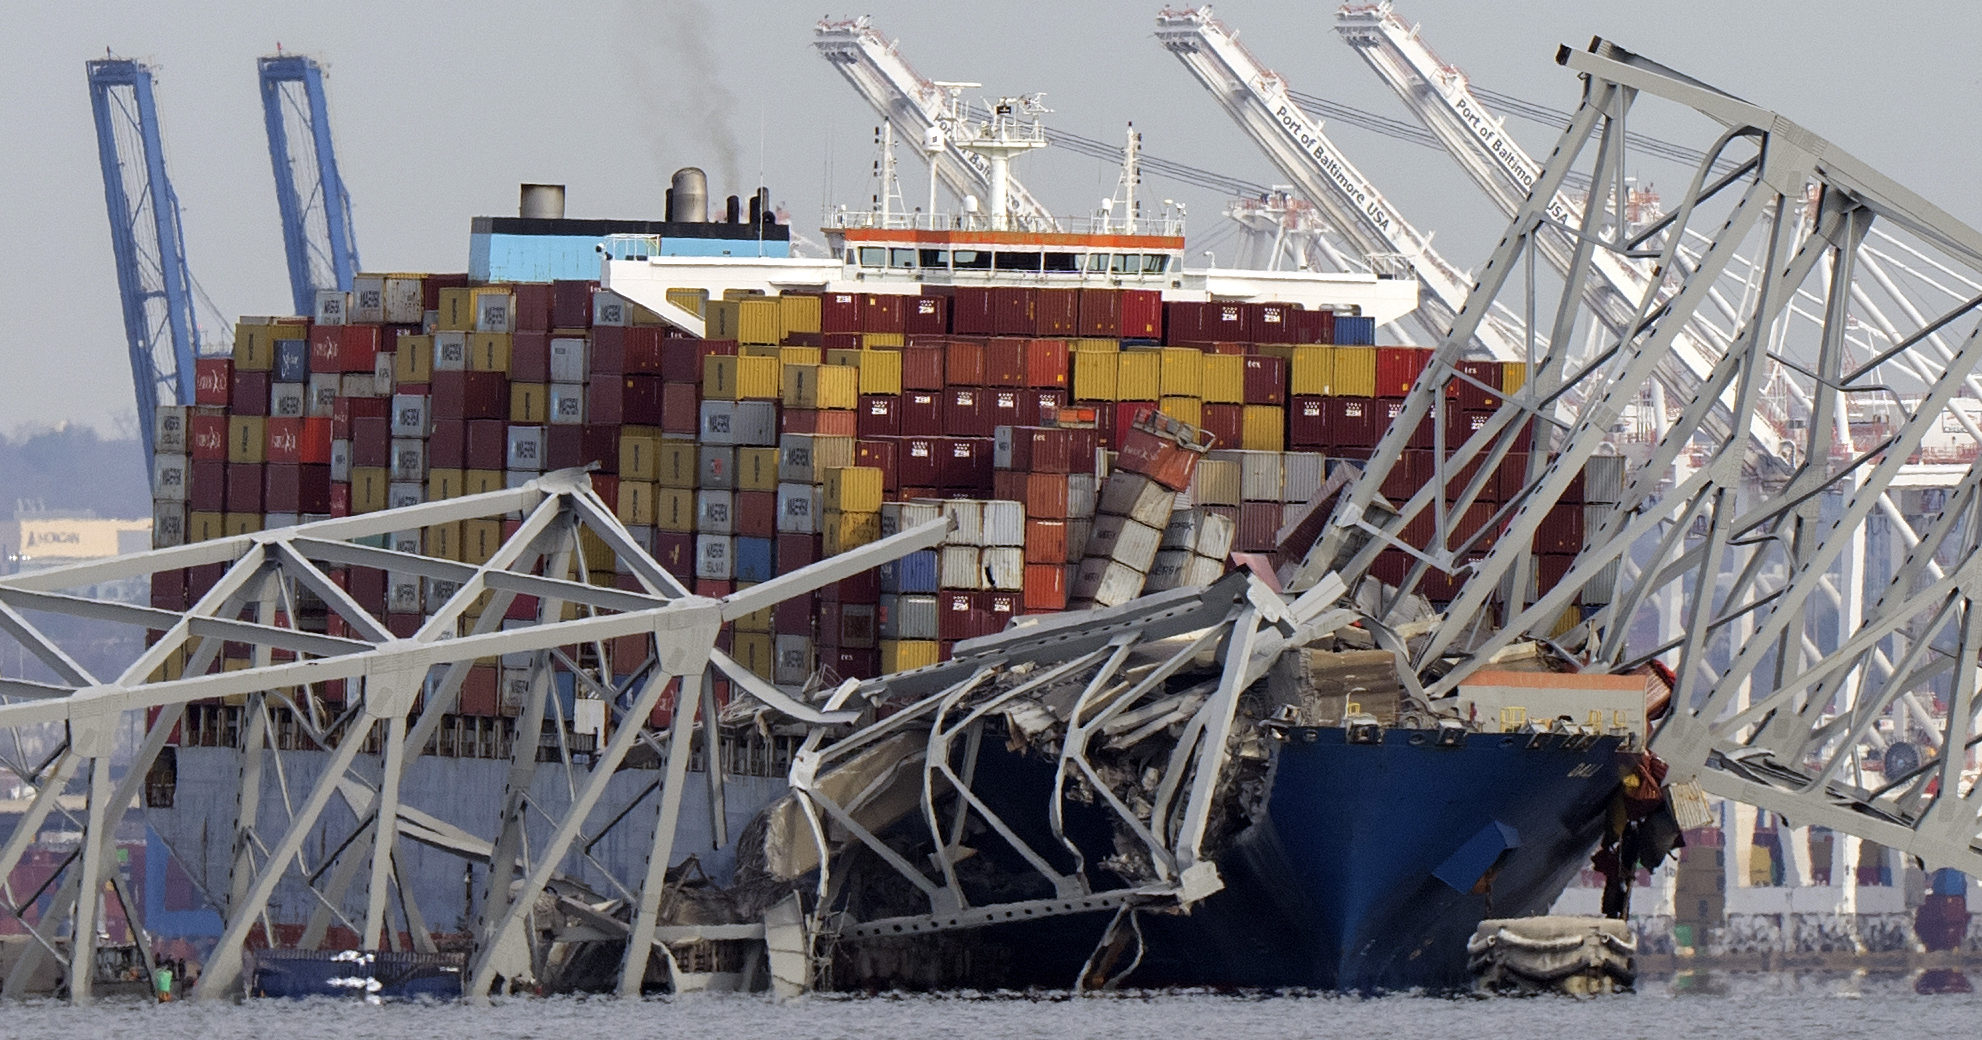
1795, 656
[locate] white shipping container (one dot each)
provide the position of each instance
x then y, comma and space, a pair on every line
715, 512
715, 556
450, 351
409, 415
1603, 479
404, 541
402, 493
171, 478
439, 592
1595, 515
755, 424
718, 422
799, 510
382, 375
495, 312
1078, 531
715, 467
897, 517
1216, 482
1138, 498
1126, 540
516, 478
273, 521
804, 458
610, 308
1004, 523
332, 306
1081, 497
168, 429
403, 594
409, 459
168, 524
791, 660
320, 395
340, 461
910, 617
520, 658
285, 400
960, 567
1001, 448
1261, 476
1105, 583
1300, 476
1200, 531
567, 359
1167, 572
513, 690
566, 404
526, 448
403, 301
1290, 514
968, 516
368, 299
1004, 568
357, 384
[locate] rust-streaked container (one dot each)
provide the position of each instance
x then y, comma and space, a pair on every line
963, 362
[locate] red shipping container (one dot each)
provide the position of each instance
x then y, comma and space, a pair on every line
927, 315
480, 697
1259, 527
371, 443
1045, 541
470, 395
1352, 422
880, 312
208, 493
1100, 313
534, 301
1001, 408
796, 550
840, 312
601, 445
958, 615
244, 487
838, 422
447, 445
1045, 587
1265, 379
1046, 496
1014, 310
963, 362
923, 367
530, 357
756, 514
325, 343
971, 311
1225, 423
571, 303
213, 381
1227, 321
644, 349
1511, 479
681, 408
999, 608
1183, 321
608, 353
1314, 326
564, 447
1004, 362
880, 454
487, 444
675, 552
279, 440
250, 393
1008, 484
919, 463
1046, 449
357, 348
964, 412
1142, 314
1056, 312
1397, 368
1035, 405
1464, 389
1461, 425
282, 489
206, 437
1046, 364
1167, 460
1273, 323
841, 341
168, 590
965, 463
1550, 569
1560, 530
879, 416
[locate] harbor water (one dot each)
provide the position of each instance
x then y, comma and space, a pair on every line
1835, 1007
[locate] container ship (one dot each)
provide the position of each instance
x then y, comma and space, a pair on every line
1098, 423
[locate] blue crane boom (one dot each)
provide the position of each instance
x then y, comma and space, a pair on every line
152, 278
316, 211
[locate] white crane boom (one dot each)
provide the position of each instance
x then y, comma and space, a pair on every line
1438, 94
919, 109
1257, 99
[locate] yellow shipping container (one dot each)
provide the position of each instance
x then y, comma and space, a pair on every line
880, 371
1189, 409
247, 438
254, 345
752, 650
756, 620
488, 352
414, 363
870, 340
529, 403
1224, 379
457, 311
841, 356
1138, 375
1263, 427
1094, 376
900, 655
636, 502
690, 300
599, 557
739, 295
1183, 372
769, 350
759, 320
802, 355
369, 486
798, 312
720, 320
482, 481
757, 379
444, 541
853, 489
719, 377
639, 453
1312, 370
756, 469
444, 484
479, 540
205, 526
845, 530
674, 510
1355, 372
675, 463
1105, 346
1513, 376
838, 387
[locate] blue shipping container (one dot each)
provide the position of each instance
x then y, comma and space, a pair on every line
292, 361
753, 560
1355, 331
914, 573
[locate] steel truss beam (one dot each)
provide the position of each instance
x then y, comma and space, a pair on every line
1792, 664
281, 596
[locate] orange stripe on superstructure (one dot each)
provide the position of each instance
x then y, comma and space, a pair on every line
1011, 238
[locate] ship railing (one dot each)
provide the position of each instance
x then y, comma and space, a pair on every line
1172, 226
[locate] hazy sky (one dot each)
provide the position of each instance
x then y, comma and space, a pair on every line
440, 110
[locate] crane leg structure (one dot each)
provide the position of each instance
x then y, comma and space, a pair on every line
317, 240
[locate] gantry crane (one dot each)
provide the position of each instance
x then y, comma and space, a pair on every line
1257, 99
160, 329
317, 239
921, 110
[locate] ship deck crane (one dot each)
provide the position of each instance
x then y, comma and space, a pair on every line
1775, 699
921, 110
160, 328
317, 240
1257, 99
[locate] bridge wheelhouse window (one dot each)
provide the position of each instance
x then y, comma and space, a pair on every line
1015, 261
1063, 263
873, 256
936, 258
971, 260
1126, 263
901, 259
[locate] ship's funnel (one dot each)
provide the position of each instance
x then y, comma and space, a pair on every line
541, 202
688, 198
